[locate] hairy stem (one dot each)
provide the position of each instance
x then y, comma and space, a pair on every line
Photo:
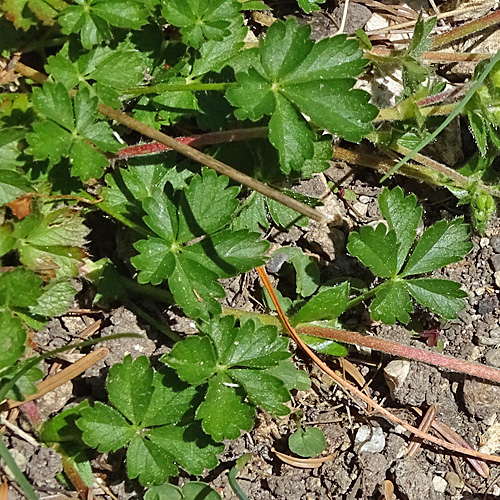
467, 29
161, 88
192, 153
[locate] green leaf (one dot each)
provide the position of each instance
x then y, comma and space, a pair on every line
324, 345
307, 443
310, 5
207, 206
56, 299
479, 131
104, 428
195, 490
155, 261
290, 134
52, 239
442, 297
403, 216
12, 339
251, 345
392, 302
53, 101
48, 140
195, 288
290, 375
376, 248
224, 412
24, 384
228, 253
263, 390
19, 288
93, 18
216, 54
199, 21
194, 359
306, 269
443, 243
294, 69
130, 388
87, 163
62, 428
421, 39
328, 303
285, 217
149, 462
193, 450
13, 185
170, 401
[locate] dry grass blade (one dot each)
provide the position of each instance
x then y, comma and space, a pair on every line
61, 378
424, 426
4, 490
354, 390
450, 435
303, 463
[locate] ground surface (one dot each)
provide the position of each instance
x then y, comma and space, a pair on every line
467, 406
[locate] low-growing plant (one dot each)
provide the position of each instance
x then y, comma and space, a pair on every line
263, 108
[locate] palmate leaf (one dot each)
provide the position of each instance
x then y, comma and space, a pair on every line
68, 128
294, 76
385, 254
192, 271
153, 418
94, 18
235, 361
199, 21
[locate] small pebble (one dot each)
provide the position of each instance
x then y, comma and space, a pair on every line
453, 479
495, 243
364, 199
493, 358
490, 440
395, 374
495, 262
481, 399
439, 484
484, 242
369, 439
496, 277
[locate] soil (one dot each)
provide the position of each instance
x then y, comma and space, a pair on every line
470, 407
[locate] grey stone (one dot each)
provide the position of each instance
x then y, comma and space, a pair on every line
481, 399
369, 439
493, 358
495, 243
487, 304
495, 262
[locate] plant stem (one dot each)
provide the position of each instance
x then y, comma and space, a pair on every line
365, 296
152, 321
467, 29
161, 88
243, 134
190, 152
458, 109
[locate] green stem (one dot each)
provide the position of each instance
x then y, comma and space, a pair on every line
459, 108
365, 296
153, 322
161, 88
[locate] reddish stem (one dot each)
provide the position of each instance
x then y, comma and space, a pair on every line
197, 141
446, 362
